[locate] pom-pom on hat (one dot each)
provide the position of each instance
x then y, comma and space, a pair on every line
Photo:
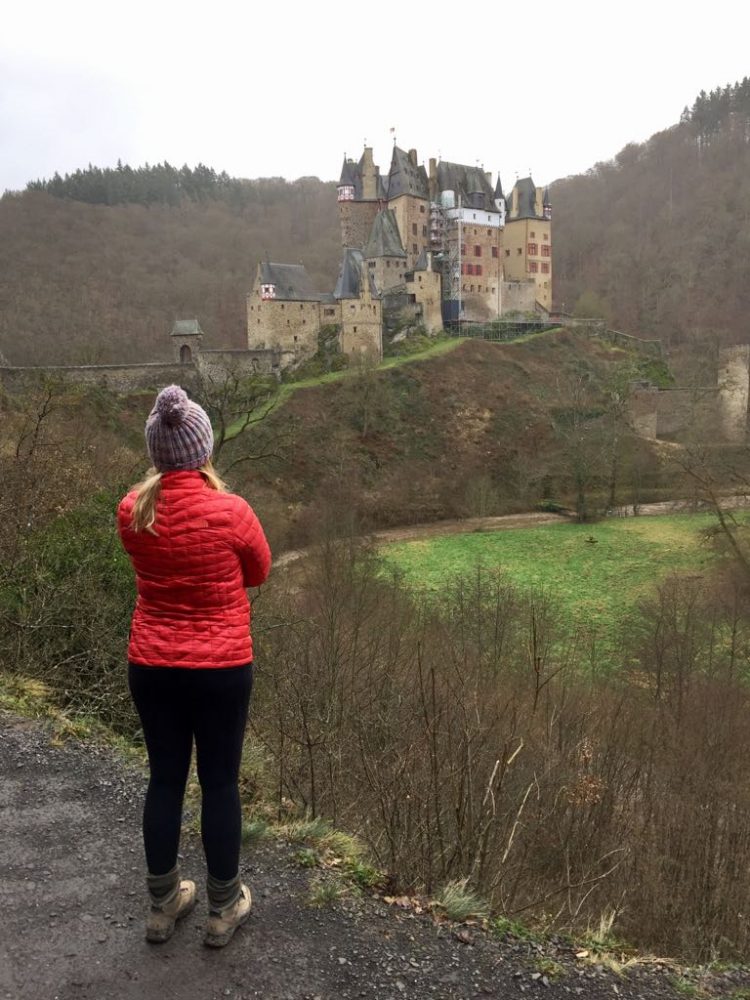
178, 432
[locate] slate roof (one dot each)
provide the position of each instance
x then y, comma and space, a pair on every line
291, 280
349, 282
385, 240
470, 182
526, 200
545, 200
404, 177
351, 174
498, 188
186, 328
423, 262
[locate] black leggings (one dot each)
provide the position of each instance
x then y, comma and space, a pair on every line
176, 704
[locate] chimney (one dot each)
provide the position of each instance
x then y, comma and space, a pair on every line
413, 157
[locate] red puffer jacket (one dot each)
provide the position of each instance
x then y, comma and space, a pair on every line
192, 609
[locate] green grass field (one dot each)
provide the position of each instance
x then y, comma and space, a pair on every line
597, 572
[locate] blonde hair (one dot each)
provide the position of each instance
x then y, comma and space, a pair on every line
144, 509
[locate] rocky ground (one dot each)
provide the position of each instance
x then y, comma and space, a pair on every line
71, 885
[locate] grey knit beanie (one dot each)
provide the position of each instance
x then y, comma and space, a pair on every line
178, 432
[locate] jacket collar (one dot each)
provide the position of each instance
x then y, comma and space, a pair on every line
182, 479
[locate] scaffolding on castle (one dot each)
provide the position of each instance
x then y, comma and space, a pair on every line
446, 241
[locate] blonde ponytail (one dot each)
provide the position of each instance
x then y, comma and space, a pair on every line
144, 508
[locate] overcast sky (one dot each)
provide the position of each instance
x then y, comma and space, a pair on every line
285, 89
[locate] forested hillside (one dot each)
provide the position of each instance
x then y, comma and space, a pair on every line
95, 267
658, 239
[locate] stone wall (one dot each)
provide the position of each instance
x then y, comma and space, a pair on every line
734, 374
517, 297
287, 326
426, 288
413, 218
362, 326
217, 364
356, 219
388, 272
116, 378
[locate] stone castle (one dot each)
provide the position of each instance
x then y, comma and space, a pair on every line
420, 247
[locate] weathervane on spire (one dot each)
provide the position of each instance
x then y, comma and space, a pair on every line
393, 133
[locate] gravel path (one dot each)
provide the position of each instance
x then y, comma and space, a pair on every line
71, 875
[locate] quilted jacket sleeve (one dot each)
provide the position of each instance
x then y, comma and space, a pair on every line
251, 545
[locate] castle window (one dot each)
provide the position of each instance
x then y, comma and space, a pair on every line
414, 228
414, 247
301, 306
532, 235
282, 305
421, 209
329, 312
545, 267
533, 267
507, 253
493, 291
468, 268
477, 251
424, 230
489, 232
295, 338
371, 263
355, 329
533, 249
474, 215
345, 192
471, 288
268, 291
304, 322
519, 251
387, 263
546, 249
477, 269
495, 252
463, 248
352, 306
545, 236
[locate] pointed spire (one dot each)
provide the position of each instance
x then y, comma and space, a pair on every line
498, 188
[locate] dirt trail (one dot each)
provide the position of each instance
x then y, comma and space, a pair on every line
459, 526
71, 888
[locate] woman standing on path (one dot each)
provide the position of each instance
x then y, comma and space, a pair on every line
194, 548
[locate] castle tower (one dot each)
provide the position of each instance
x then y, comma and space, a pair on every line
187, 338
527, 239
408, 198
359, 194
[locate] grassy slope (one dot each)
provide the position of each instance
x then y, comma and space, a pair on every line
467, 430
596, 582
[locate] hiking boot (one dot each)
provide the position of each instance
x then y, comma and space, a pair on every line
161, 919
222, 925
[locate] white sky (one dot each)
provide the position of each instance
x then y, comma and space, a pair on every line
284, 89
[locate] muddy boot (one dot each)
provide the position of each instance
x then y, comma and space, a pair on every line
171, 900
222, 923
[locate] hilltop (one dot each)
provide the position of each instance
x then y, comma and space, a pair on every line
656, 239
